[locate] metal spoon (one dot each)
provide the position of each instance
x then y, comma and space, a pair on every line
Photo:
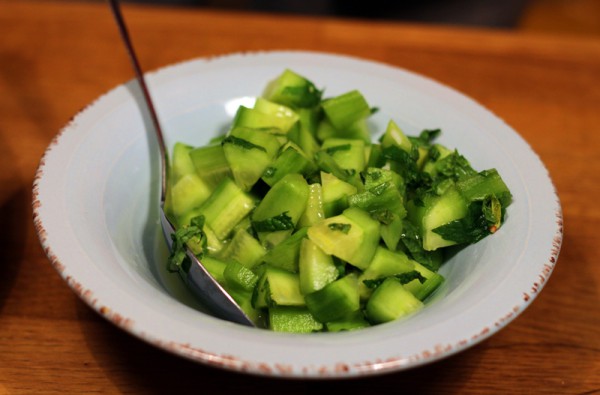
210, 292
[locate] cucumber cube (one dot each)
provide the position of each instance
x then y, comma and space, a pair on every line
352, 321
243, 248
335, 301
239, 277
395, 136
286, 198
349, 154
277, 287
226, 207
210, 164
249, 152
437, 211
346, 109
335, 194
293, 320
385, 263
316, 268
352, 236
286, 254
314, 211
189, 192
181, 164
293, 90
391, 301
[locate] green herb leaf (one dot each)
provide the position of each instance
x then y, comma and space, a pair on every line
242, 143
279, 222
303, 96
404, 278
470, 229
414, 245
178, 260
337, 148
341, 227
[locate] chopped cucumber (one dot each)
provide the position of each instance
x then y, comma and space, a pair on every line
226, 207
310, 226
293, 320
352, 236
391, 301
210, 164
335, 301
346, 109
286, 254
316, 268
277, 287
249, 152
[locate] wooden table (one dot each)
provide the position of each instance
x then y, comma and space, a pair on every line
55, 57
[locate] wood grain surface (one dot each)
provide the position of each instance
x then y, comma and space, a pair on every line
56, 57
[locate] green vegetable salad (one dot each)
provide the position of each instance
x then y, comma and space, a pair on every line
311, 226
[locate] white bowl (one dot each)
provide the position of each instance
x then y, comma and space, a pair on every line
96, 213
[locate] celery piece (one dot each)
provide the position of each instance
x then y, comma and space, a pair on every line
485, 183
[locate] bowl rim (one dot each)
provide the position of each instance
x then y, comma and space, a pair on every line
233, 363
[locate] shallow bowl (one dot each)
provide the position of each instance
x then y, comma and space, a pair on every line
96, 213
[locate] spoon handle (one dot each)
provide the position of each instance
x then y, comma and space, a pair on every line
116, 9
